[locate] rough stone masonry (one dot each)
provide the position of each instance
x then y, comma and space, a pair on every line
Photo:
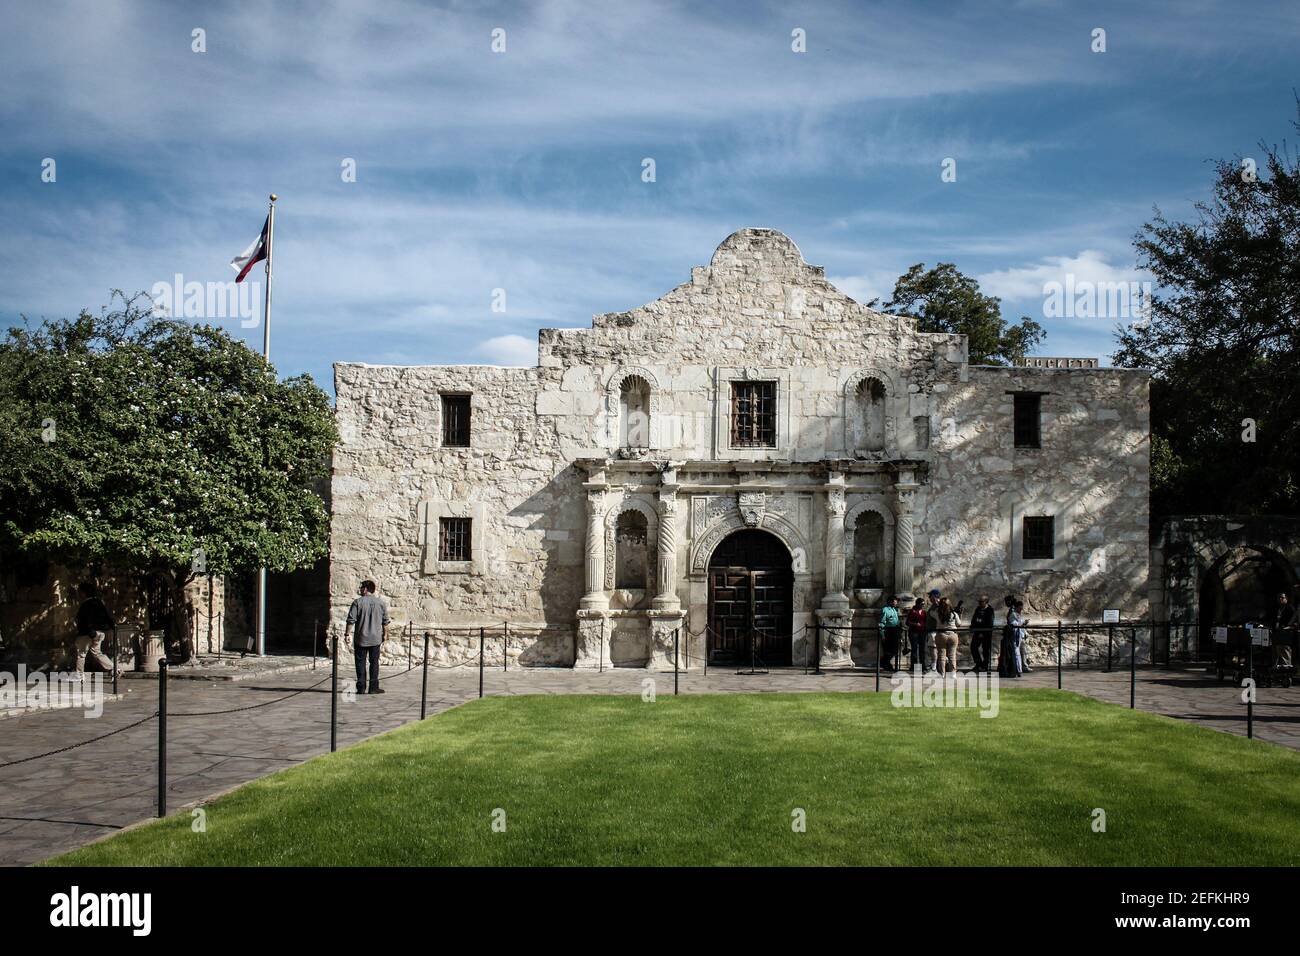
751, 460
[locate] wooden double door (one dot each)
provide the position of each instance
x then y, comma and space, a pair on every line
751, 605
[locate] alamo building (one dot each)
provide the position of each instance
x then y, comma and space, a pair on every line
750, 456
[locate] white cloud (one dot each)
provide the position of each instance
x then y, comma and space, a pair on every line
1021, 283
509, 350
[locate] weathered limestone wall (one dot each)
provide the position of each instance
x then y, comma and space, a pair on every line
548, 448
389, 465
1091, 473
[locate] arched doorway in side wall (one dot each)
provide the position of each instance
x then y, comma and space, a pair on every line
751, 600
1242, 585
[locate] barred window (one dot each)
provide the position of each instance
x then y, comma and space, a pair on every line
455, 421
1039, 537
453, 539
1028, 406
753, 414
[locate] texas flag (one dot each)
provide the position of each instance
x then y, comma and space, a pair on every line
253, 254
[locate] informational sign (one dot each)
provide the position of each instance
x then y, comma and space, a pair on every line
1221, 635
1110, 616
1259, 637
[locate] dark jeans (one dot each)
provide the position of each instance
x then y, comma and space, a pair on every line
890, 660
981, 649
917, 640
362, 654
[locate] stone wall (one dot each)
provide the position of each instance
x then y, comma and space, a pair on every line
872, 417
39, 602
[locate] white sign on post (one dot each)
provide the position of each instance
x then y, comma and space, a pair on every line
1259, 637
1110, 616
1221, 635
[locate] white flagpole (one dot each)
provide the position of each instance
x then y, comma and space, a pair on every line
260, 649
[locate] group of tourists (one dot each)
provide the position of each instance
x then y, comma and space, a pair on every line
932, 639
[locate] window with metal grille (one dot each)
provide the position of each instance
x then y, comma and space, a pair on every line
1027, 419
455, 421
1039, 537
753, 414
453, 539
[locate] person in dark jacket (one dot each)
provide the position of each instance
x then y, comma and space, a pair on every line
93, 624
981, 635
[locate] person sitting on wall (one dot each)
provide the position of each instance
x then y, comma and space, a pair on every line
916, 633
1283, 628
93, 624
368, 619
981, 635
890, 630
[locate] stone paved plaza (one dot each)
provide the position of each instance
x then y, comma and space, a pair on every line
57, 803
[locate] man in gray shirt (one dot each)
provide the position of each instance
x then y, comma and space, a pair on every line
368, 619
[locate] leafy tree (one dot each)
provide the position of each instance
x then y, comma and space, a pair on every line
1223, 344
944, 300
151, 444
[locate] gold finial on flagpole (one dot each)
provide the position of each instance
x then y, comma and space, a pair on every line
273, 197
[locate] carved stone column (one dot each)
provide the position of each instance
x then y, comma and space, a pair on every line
591, 636
834, 615
904, 552
596, 597
835, 598
666, 598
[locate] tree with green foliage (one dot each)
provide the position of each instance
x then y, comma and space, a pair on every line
138, 442
944, 300
1223, 344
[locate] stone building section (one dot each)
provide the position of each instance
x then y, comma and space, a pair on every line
853, 455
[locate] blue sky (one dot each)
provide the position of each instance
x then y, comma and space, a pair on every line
522, 170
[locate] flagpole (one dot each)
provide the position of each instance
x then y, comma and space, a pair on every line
266, 354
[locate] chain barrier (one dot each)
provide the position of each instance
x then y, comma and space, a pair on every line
61, 750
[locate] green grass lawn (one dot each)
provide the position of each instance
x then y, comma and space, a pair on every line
714, 779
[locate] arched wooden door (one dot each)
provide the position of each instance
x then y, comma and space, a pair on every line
751, 590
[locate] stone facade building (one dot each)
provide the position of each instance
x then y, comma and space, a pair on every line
747, 457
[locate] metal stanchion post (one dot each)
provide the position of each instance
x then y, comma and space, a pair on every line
1132, 667
676, 650
334, 695
315, 636
1110, 645
817, 636
114, 661
1058, 655
162, 737
1250, 675
410, 639
480, 662
424, 680
505, 645
878, 636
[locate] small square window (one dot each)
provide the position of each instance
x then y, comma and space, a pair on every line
455, 421
453, 539
1028, 406
753, 414
1039, 538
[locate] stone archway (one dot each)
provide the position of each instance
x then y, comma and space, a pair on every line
751, 600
